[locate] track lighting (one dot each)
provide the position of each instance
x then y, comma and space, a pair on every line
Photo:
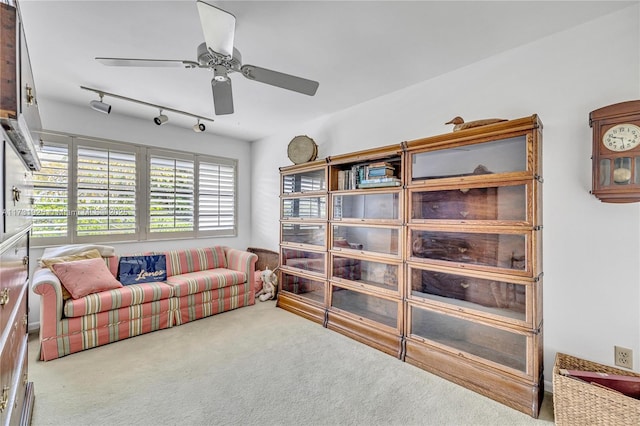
161, 119
100, 106
199, 127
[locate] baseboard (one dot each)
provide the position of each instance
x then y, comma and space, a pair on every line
33, 327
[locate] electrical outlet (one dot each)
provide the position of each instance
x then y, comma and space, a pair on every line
623, 357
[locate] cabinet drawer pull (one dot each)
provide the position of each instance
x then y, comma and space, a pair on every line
25, 260
15, 194
4, 296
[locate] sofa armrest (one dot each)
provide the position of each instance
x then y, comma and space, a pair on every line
240, 260
48, 286
243, 261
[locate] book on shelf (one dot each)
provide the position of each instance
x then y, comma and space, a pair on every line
628, 385
380, 164
380, 171
380, 182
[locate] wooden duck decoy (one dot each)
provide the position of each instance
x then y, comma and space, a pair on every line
459, 124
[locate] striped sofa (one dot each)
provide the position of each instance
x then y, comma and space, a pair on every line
200, 283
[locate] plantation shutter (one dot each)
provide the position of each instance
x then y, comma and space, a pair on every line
51, 194
216, 197
171, 194
106, 192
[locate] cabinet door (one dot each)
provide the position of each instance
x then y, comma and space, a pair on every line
502, 297
475, 161
304, 181
500, 346
379, 310
300, 234
14, 271
17, 206
384, 240
304, 260
367, 273
311, 289
493, 250
305, 208
490, 204
370, 207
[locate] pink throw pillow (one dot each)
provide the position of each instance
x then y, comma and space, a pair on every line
83, 277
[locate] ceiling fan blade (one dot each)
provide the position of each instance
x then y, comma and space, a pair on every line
219, 28
124, 62
279, 79
222, 96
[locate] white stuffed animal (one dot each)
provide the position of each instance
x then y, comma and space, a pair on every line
269, 285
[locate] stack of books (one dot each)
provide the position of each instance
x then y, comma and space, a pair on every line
378, 175
372, 175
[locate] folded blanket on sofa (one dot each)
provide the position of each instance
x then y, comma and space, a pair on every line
66, 250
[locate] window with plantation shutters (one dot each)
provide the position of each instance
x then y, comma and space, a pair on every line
216, 197
171, 194
51, 193
106, 192
91, 190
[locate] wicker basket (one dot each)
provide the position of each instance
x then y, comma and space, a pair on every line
579, 403
266, 258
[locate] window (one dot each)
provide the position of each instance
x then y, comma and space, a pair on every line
106, 192
216, 197
51, 192
171, 194
127, 192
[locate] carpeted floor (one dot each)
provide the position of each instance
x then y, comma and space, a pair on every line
258, 365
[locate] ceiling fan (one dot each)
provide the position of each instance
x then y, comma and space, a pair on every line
218, 54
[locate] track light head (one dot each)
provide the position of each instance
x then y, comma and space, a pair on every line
161, 119
100, 106
199, 127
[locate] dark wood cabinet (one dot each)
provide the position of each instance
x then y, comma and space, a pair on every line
434, 257
16, 397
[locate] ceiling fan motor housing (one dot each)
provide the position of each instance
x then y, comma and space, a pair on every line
210, 59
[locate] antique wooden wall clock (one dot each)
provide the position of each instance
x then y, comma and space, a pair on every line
616, 152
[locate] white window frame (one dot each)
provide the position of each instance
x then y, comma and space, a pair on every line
143, 155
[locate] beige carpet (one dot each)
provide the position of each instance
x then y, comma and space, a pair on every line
258, 365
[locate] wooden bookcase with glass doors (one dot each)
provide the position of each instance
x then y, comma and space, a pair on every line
429, 250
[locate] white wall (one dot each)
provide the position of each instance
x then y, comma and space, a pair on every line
591, 249
86, 122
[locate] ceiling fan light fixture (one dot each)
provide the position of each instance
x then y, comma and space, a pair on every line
100, 106
160, 119
199, 127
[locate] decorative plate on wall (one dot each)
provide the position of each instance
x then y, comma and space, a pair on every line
302, 149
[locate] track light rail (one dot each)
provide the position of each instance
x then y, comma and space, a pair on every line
102, 93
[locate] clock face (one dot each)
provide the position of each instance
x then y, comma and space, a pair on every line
622, 137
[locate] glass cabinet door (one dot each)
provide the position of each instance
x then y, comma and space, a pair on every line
498, 345
495, 250
378, 309
367, 206
490, 203
501, 156
309, 288
383, 240
304, 208
308, 181
305, 260
497, 297
313, 234
372, 273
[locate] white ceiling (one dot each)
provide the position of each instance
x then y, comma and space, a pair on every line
356, 50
